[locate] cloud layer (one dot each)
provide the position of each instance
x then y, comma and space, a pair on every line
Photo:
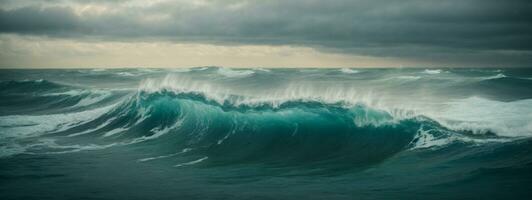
457, 32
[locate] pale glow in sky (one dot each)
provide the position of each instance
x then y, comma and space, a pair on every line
38, 52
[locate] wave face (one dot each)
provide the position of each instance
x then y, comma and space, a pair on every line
293, 133
259, 128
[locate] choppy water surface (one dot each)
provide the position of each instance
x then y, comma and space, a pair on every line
221, 133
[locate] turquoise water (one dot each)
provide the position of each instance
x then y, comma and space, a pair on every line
221, 133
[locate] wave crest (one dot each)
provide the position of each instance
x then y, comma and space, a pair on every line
225, 127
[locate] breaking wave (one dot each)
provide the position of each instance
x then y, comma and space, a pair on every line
208, 127
199, 123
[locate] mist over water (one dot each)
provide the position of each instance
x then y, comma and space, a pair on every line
223, 133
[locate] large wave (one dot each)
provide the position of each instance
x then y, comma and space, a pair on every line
296, 132
203, 123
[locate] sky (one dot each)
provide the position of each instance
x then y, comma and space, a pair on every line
265, 33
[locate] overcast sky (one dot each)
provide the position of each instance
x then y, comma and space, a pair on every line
266, 33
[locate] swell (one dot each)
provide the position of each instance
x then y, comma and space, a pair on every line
27, 86
38, 97
498, 86
298, 132
196, 127
295, 133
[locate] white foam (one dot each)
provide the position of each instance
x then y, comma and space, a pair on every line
147, 70
262, 70
499, 75
158, 132
432, 71
200, 68
45, 145
408, 77
291, 92
232, 73
126, 74
20, 126
35, 126
115, 131
181, 70
93, 129
74, 92
10, 149
93, 96
426, 139
49, 146
220, 141
165, 156
349, 71
478, 115
309, 70
192, 162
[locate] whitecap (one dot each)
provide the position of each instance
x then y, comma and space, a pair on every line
232, 73
125, 74
428, 139
432, 71
262, 70
291, 92
349, 71
20, 126
481, 116
499, 75
181, 70
408, 77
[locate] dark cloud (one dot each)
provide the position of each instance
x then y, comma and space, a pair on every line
32, 20
482, 30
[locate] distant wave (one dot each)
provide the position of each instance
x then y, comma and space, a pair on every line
406, 77
199, 68
349, 71
28, 85
34, 96
499, 75
181, 70
262, 70
432, 71
126, 74
233, 73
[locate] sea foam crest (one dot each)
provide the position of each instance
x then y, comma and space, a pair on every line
21, 126
473, 115
349, 71
301, 92
497, 76
432, 71
481, 116
434, 139
233, 73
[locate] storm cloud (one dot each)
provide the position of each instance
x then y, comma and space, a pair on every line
471, 32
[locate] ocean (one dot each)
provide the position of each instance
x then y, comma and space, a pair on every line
224, 133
